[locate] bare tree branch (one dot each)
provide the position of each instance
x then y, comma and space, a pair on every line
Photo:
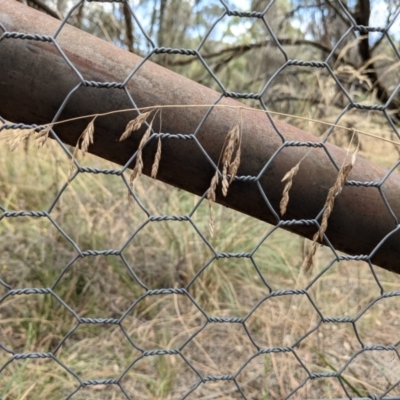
338, 12
242, 48
128, 26
44, 7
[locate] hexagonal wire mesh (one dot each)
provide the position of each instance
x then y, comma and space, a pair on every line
188, 314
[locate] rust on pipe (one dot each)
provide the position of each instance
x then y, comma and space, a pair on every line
35, 80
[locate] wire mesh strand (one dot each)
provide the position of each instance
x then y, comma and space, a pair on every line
258, 350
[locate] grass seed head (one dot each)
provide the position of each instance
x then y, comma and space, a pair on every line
138, 169
234, 166
309, 260
231, 143
285, 195
19, 136
43, 135
211, 198
213, 187
329, 204
87, 137
157, 158
330, 199
134, 125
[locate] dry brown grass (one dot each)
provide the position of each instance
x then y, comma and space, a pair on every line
92, 211
335, 190
230, 163
157, 159
138, 168
134, 125
211, 196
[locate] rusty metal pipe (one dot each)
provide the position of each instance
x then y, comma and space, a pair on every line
35, 80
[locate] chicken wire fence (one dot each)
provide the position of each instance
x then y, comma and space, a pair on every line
272, 335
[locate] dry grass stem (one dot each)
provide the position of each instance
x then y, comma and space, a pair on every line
157, 158
211, 225
333, 192
329, 204
87, 137
285, 194
43, 135
213, 187
241, 108
138, 169
337, 188
134, 125
309, 260
232, 142
131, 199
18, 137
211, 198
234, 166
72, 167
84, 141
